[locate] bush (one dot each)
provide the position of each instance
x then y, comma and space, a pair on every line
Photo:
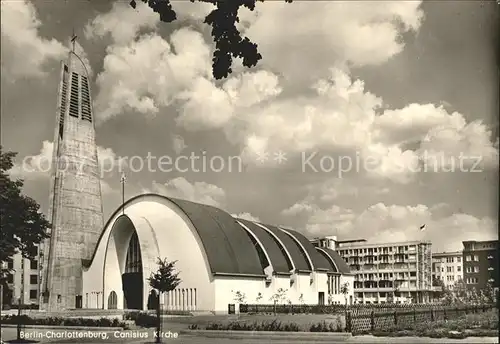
55, 321
324, 327
142, 319
274, 326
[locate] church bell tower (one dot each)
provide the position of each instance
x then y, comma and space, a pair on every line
75, 208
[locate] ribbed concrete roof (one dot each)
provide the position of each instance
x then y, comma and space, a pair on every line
292, 247
318, 261
230, 250
227, 245
340, 263
328, 260
279, 260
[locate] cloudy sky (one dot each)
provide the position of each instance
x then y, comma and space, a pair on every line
362, 120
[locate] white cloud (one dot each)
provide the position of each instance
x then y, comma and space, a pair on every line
317, 33
146, 74
122, 22
24, 52
392, 223
207, 106
39, 166
345, 121
199, 192
192, 11
265, 110
246, 216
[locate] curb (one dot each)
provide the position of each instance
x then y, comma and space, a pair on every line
54, 327
310, 336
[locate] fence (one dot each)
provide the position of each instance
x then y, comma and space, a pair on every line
365, 319
362, 318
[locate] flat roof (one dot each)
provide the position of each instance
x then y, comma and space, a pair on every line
454, 253
382, 244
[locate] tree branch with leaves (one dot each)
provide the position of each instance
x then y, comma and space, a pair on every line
23, 224
228, 40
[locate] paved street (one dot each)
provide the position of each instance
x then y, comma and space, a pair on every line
148, 337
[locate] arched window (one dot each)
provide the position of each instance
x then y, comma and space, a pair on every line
112, 300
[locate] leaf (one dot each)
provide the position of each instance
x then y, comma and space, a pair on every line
227, 38
23, 224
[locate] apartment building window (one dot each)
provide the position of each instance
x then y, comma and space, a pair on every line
10, 278
459, 268
459, 259
476, 258
33, 265
449, 269
10, 264
468, 258
33, 279
413, 273
33, 294
476, 269
471, 280
449, 259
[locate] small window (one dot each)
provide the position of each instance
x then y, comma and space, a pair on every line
33, 279
10, 264
10, 278
33, 265
33, 294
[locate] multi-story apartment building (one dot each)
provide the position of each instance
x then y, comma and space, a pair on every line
447, 267
390, 272
480, 260
23, 280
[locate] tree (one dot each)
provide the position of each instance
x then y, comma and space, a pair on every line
228, 41
441, 291
344, 290
23, 225
239, 297
164, 280
279, 296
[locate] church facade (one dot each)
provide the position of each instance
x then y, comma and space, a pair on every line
89, 264
216, 255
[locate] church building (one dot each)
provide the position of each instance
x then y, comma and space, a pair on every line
91, 264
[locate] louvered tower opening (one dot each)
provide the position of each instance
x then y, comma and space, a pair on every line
73, 104
86, 112
64, 99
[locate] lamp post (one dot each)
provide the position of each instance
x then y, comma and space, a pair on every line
123, 179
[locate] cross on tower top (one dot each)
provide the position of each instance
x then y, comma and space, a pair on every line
73, 40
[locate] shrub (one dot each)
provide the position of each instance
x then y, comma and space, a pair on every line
324, 327
55, 321
274, 326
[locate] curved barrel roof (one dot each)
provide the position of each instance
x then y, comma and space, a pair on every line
230, 250
340, 263
318, 262
278, 258
298, 256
